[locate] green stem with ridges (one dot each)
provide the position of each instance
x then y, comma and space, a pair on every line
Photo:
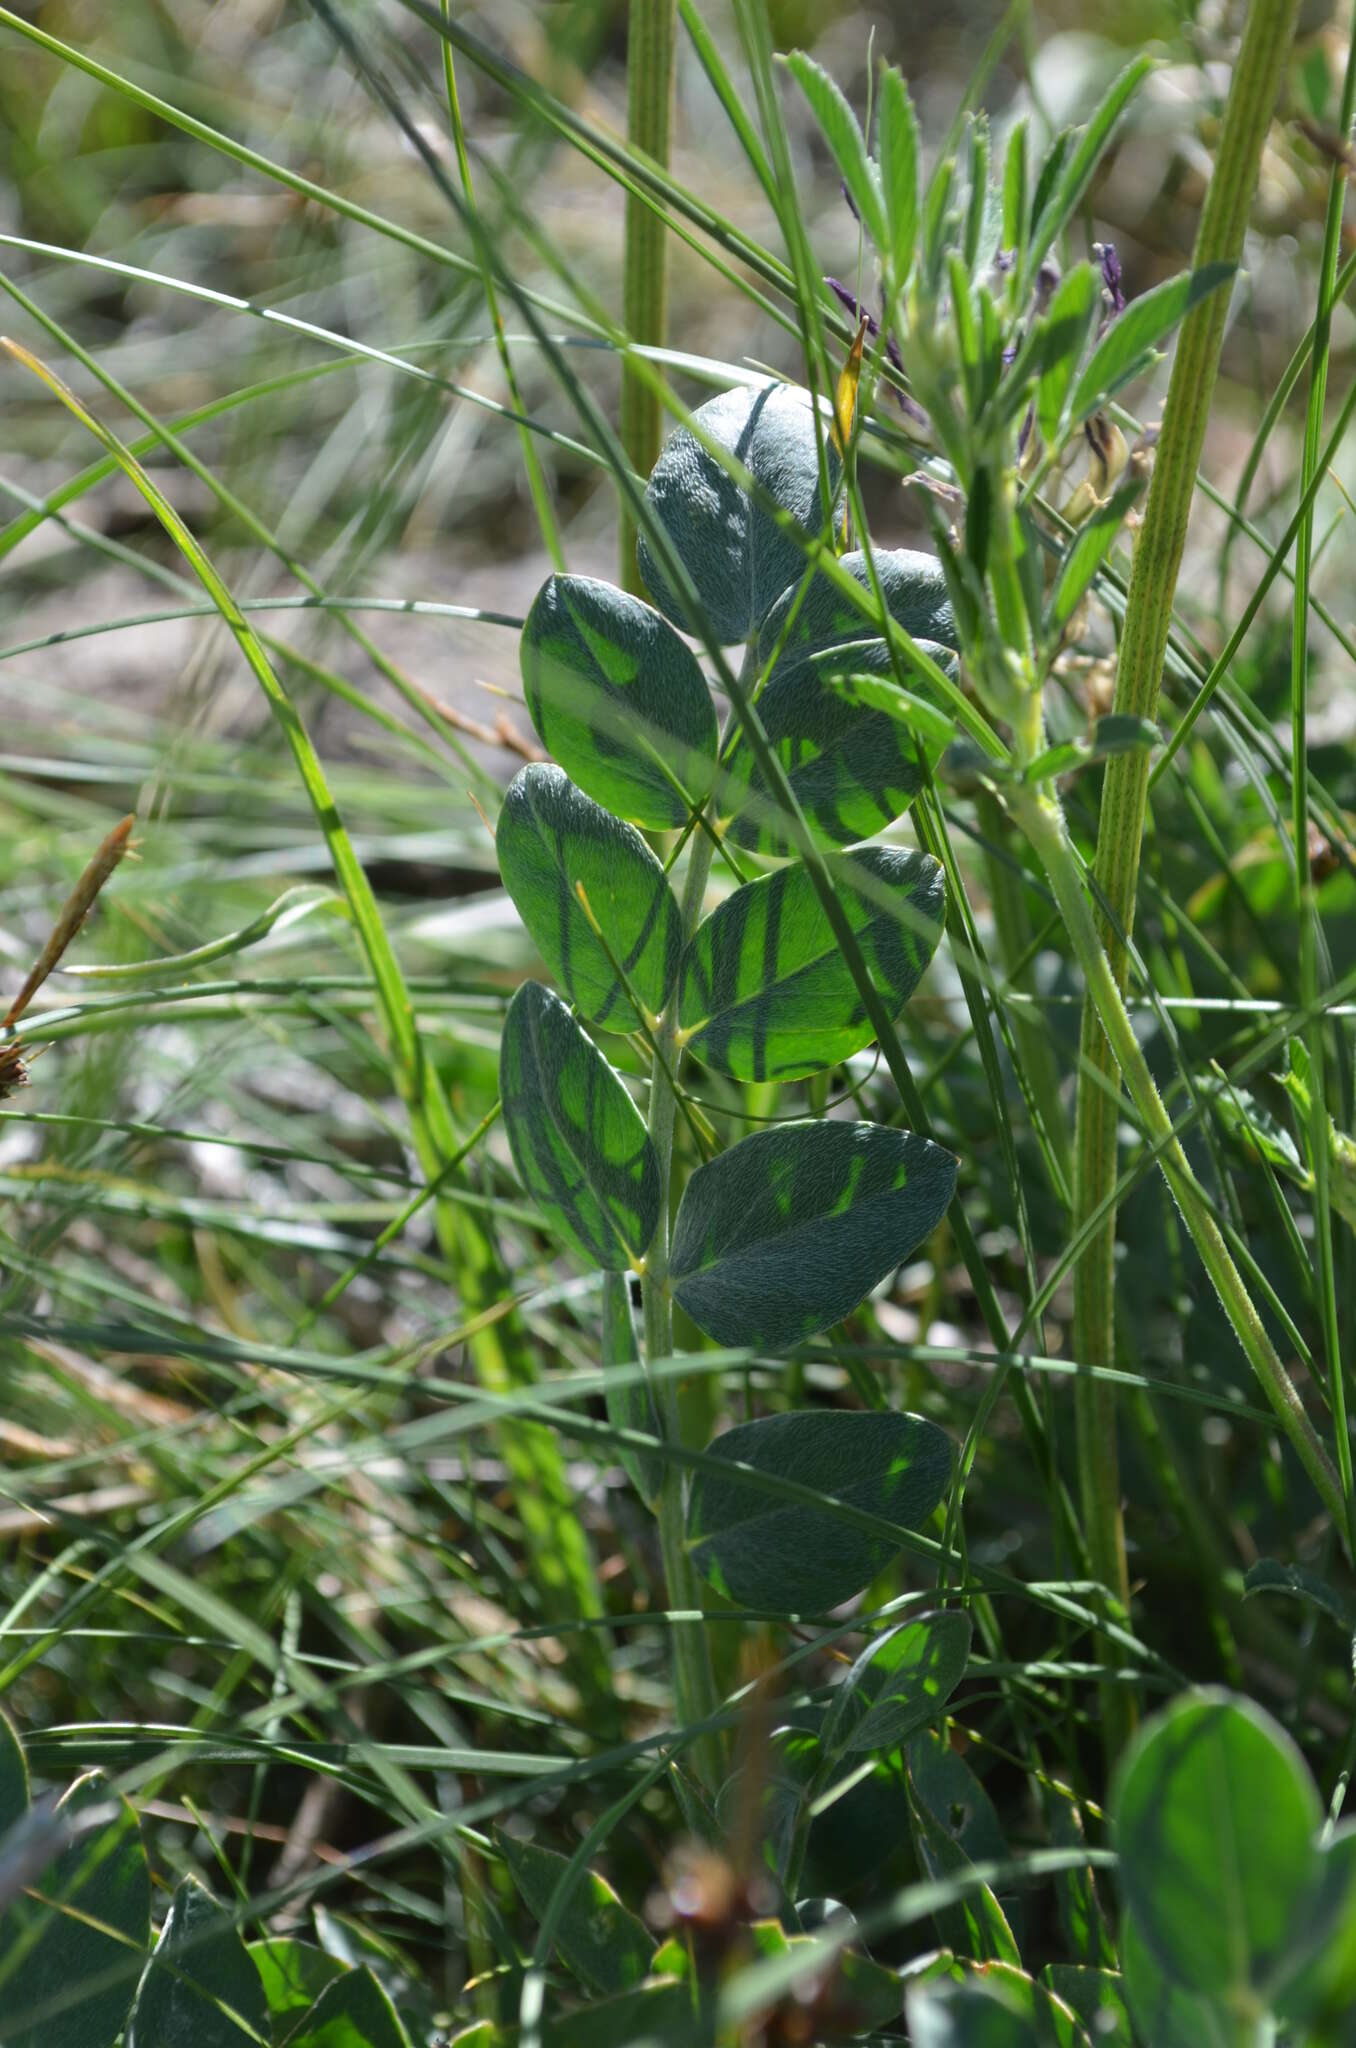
1144, 640
1042, 819
649, 105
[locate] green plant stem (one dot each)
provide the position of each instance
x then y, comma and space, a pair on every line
1144, 639
1013, 936
1042, 819
649, 104
695, 1692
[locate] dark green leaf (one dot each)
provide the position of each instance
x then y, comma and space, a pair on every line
944, 1787
605, 1946
843, 134
353, 2012
766, 1552
103, 1879
578, 1141
916, 597
631, 1406
1058, 201
1269, 1575
619, 700
853, 765
784, 1234
1126, 350
1096, 1997
765, 993
900, 1682
1085, 555
1215, 1815
1168, 2015
974, 2014
649, 2016
293, 1975
739, 557
551, 838
200, 1984
898, 134
1320, 1996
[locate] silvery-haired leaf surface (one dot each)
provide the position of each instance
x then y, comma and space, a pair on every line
550, 838
915, 592
578, 1141
766, 1552
784, 1234
765, 994
854, 767
739, 558
199, 1974
98, 1918
619, 700
900, 1683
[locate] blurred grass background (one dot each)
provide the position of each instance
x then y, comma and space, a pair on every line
197, 1162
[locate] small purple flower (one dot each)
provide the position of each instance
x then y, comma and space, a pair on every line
1105, 252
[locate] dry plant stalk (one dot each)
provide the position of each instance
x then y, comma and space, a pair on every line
13, 1060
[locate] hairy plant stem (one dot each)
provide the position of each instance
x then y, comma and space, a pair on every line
1144, 638
694, 1684
1042, 819
649, 104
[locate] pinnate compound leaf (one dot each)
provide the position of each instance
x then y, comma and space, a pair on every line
847, 146
551, 838
619, 700
1063, 336
353, 2012
739, 557
102, 1878
765, 993
578, 1141
200, 1983
1126, 350
899, 1683
763, 1551
293, 1975
1215, 1817
605, 1946
784, 1234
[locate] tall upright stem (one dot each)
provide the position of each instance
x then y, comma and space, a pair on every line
694, 1682
1144, 639
649, 105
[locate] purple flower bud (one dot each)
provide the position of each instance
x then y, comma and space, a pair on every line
852, 305
1003, 260
1105, 252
